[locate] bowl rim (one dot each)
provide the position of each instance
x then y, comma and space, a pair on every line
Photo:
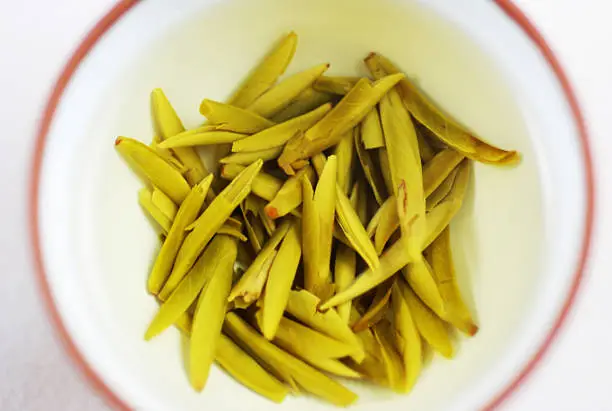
114, 15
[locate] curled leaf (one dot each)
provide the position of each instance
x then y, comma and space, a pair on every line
345, 154
308, 100
315, 348
282, 94
372, 176
325, 205
445, 128
304, 306
264, 185
253, 280
371, 131
440, 166
247, 371
441, 192
233, 118
164, 204
457, 312
407, 337
387, 224
209, 222
421, 279
391, 261
247, 157
377, 310
335, 84
430, 326
385, 169
159, 217
389, 357
265, 74
254, 227
300, 373
201, 138
250, 286
187, 291
187, 213
289, 196
155, 171
345, 268
210, 312
281, 133
343, 117
232, 231
353, 229
167, 124
280, 279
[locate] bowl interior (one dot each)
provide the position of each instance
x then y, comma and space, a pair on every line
513, 259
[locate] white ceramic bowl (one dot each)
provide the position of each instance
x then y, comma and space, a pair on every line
520, 240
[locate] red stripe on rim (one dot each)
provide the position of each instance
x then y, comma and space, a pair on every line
124, 6
530, 30
68, 71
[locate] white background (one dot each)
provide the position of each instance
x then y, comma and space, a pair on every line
37, 36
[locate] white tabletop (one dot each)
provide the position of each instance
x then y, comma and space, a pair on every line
36, 37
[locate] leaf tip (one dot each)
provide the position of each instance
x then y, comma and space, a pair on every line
149, 334
223, 170
271, 212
